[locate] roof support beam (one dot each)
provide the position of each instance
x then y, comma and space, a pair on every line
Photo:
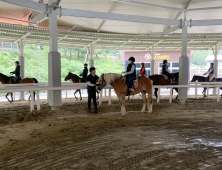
204, 9
171, 30
218, 43
207, 22
149, 4
28, 4
117, 17
23, 37
124, 44
155, 44
110, 11
92, 43
38, 19
178, 16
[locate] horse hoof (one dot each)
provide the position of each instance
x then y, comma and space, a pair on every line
123, 114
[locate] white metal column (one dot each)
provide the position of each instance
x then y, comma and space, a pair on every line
22, 64
54, 60
183, 65
216, 52
91, 61
152, 61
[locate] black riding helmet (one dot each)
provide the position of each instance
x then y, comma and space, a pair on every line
142, 64
132, 59
212, 64
17, 62
164, 61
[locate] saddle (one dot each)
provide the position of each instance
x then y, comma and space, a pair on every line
166, 77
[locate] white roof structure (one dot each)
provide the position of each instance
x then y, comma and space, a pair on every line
211, 58
115, 24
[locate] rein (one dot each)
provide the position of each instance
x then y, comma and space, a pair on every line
112, 82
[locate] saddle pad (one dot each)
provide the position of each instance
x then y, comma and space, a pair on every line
135, 82
165, 76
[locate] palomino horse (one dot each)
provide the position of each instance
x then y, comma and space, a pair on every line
161, 80
8, 80
204, 79
145, 85
75, 79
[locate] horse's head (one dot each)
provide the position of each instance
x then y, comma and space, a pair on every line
102, 82
68, 77
194, 78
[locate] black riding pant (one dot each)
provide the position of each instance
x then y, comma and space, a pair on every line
169, 75
91, 95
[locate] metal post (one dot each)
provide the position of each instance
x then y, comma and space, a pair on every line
183, 65
54, 60
38, 100
110, 95
216, 51
158, 97
218, 94
32, 101
171, 95
152, 62
22, 64
101, 97
91, 63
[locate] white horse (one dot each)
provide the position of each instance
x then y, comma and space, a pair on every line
145, 85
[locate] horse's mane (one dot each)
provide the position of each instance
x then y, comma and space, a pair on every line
110, 77
75, 75
5, 77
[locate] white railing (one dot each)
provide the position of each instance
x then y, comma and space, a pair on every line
69, 86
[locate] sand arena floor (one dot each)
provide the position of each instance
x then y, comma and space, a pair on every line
174, 136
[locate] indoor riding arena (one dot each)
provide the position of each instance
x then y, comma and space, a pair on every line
160, 130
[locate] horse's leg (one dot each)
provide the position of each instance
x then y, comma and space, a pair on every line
120, 102
123, 105
12, 97
177, 93
7, 97
204, 92
29, 96
155, 92
80, 94
150, 99
75, 94
97, 95
144, 101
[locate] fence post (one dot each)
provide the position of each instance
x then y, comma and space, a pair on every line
171, 90
110, 95
158, 97
47, 96
13, 96
196, 91
101, 97
38, 100
32, 101
105, 93
66, 94
218, 94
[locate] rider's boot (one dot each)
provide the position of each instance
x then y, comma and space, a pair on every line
89, 112
171, 81
132, 89
97, 112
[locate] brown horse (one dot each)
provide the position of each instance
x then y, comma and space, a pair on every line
8, 80
145, 85
162, 80
75, 79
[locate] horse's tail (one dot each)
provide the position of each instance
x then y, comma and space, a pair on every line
36, 81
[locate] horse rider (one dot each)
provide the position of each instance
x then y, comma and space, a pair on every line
142, 70
84, 73
92, 82
210, 72
131, 73
166, 72
16, 72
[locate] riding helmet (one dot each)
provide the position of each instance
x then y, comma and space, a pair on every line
85, 64
164, 61
212, 64
92, 68
17, 62
132, 59
142, 64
